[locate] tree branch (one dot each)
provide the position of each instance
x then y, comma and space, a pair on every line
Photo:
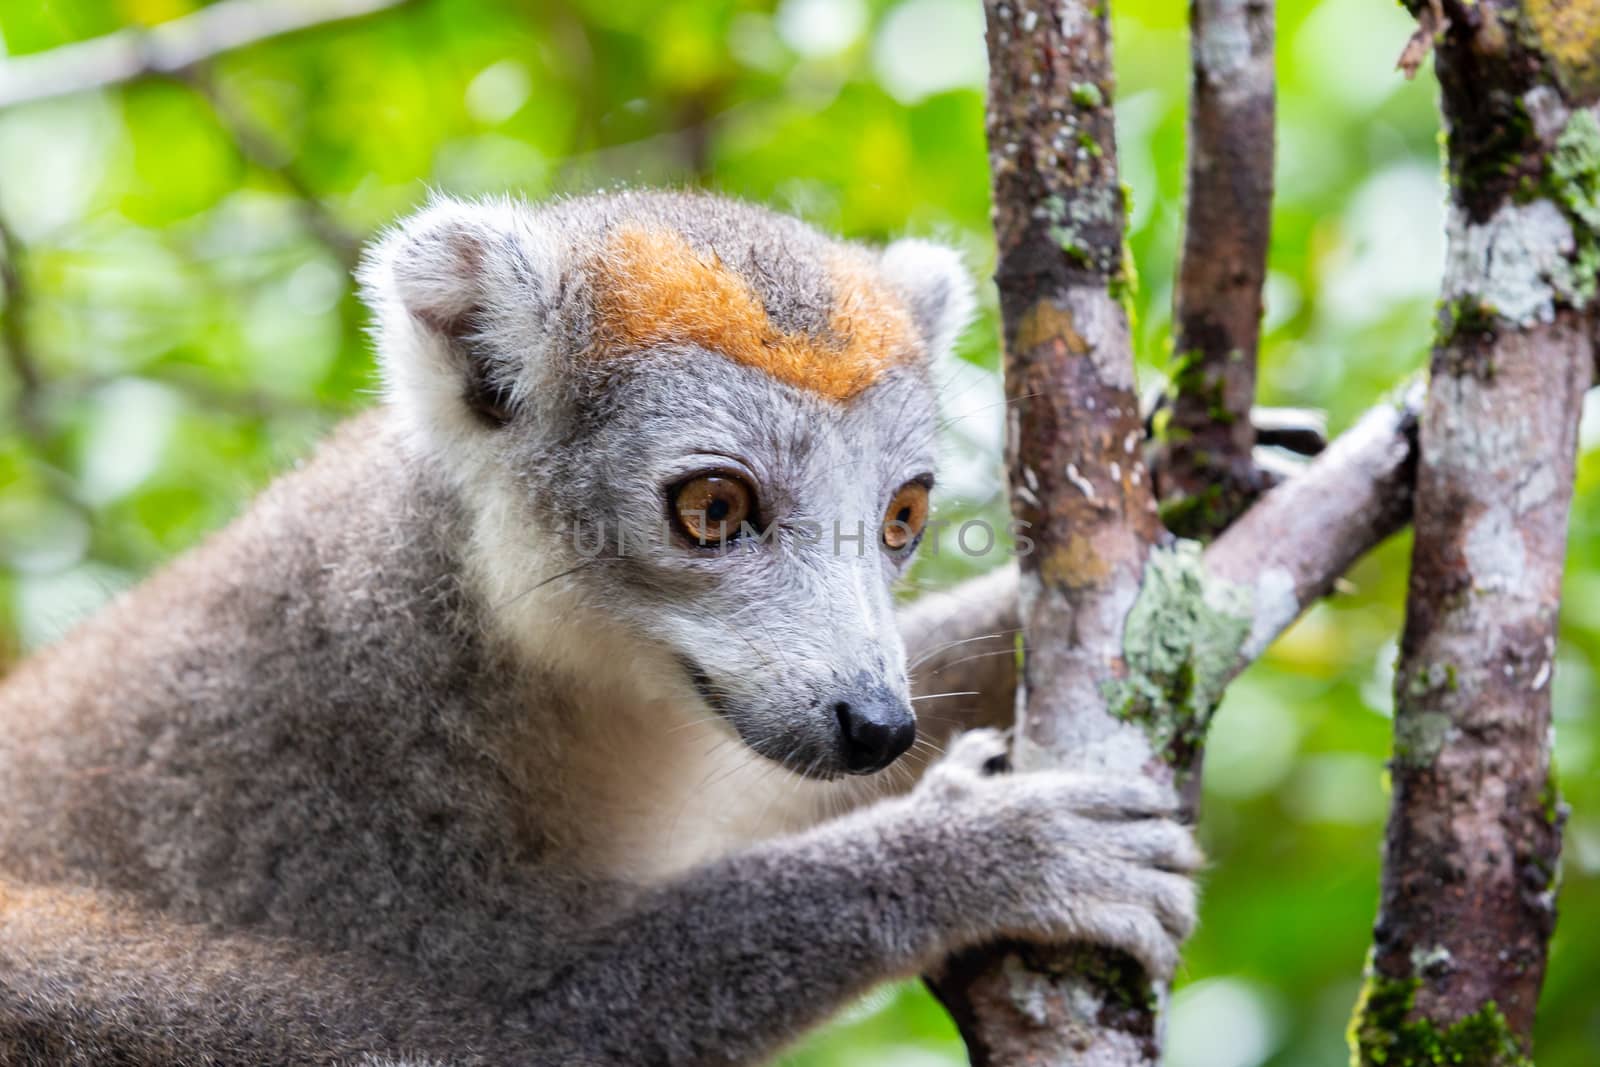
169, 48
14, 335
259, 149
1471, 851
1203, 466
1288, 549
30, 403
1300, 537
1078, 483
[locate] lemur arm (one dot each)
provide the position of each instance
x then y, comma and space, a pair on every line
721, 966
87, 979
730, 963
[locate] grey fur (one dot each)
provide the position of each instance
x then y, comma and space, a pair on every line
391, 770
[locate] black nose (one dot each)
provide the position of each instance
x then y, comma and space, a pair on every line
875, 727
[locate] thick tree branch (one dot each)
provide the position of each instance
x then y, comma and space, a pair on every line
169, 48
1203, 465
1468, 896
1288, 549
1079, 483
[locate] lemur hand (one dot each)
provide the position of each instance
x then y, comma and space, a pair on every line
1059, 857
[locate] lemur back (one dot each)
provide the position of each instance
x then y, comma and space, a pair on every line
488, 726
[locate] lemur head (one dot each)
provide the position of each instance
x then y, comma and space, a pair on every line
697, 438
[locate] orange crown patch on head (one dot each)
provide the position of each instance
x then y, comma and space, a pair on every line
654, 289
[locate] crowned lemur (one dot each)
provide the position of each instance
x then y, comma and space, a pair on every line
544, 716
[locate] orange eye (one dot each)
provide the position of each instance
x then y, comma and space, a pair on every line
906, 515
711, 507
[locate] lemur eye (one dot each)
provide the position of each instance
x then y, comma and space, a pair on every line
711, 507
904, 518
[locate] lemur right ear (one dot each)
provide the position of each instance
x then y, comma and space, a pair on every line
460, 292
937, 287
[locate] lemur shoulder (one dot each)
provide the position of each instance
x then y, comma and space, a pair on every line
401, 764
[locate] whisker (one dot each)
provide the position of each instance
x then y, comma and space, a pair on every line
969, 659
945, 422
700, 721
554, 577
930, 653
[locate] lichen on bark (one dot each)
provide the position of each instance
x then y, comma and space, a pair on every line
1574, 183
1575, 169
1180, 643
1568, 33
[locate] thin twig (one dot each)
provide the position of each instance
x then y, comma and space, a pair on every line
259, 148
14, 335
1432, 23
169, 48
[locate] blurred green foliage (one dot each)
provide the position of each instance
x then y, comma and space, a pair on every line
193, 332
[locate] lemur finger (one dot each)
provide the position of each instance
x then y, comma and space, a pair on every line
1172, 898
1137, 932
982, 752
1118, 797
1159, 843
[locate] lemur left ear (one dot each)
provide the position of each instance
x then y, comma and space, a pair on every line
936, 286
460, 292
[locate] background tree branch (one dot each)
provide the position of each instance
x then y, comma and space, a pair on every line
1205, 474
183, 49
258, 147
963, 641
169, 48
14, 334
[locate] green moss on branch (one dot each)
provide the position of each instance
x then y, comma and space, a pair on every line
1383, 1032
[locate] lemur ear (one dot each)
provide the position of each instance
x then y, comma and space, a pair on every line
936, 286
460, 292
